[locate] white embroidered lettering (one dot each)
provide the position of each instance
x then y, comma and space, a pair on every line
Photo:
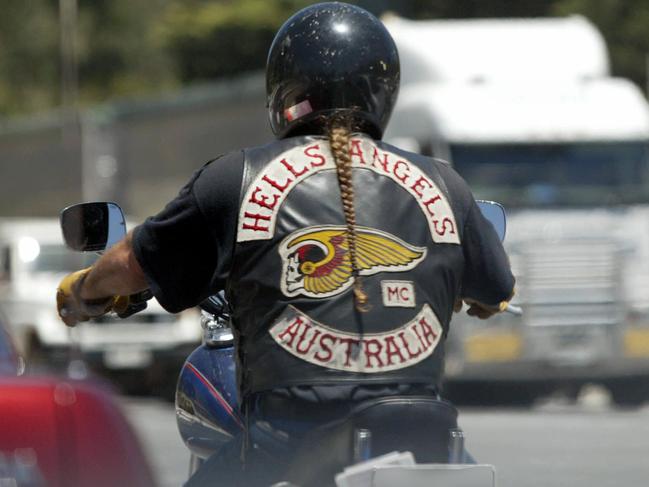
280, 176
400, 294
318, 344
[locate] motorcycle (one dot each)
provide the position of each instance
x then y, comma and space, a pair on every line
368, 440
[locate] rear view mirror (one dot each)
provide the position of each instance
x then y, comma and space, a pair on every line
89, 227
495, 213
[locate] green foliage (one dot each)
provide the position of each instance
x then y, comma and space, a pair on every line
213, 39
624, 26
131, 47
120, 55
28, 55
478, 8
117, 52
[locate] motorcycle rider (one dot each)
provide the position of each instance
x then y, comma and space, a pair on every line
342, 257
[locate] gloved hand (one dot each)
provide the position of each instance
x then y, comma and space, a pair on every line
126, 306
481, 310
72, 309
484, 311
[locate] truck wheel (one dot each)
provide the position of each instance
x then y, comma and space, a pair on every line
39, 357
129, 382
36, 357
517, 395
630, 392
163, 382
493, 394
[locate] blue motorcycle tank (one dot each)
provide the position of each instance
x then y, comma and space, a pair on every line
207, 411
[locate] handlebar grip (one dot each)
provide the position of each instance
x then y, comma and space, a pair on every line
515, 310
141, 297
136, 303
131, 309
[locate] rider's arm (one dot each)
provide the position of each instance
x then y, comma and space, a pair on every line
487, 279
181, 255
185, 250
94, 291
116, 273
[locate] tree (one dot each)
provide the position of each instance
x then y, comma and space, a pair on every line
119, 53
624, 26
29, 60
212, 39
209, 39
458, 9
133, 47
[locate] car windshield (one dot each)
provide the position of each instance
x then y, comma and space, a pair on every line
572, 174
58, 259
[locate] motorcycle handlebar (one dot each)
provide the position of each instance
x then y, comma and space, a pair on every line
515, 310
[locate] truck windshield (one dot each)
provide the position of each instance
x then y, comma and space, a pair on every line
574, 174
59, 259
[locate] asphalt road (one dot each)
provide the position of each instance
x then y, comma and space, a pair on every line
588, 444
155, 422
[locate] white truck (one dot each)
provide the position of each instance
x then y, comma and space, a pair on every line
527, 112
141, 352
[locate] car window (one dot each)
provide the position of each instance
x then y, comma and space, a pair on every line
56, 259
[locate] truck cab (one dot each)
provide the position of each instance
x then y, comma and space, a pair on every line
139, 352
528, 114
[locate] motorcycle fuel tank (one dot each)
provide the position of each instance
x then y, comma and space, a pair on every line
206, 400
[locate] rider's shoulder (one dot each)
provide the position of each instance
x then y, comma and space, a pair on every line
415, 157
222, 162
439, 168
226, 170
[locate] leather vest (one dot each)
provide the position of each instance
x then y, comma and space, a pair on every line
290, 286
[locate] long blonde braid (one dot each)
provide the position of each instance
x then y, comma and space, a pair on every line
339, 134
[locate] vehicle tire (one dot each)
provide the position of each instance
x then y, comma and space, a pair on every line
520, 395
131, 382
36, 356
517, 395
630, 393
163, 385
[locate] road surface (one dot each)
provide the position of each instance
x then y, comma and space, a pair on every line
554, 444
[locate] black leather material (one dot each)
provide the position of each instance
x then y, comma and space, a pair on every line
258, 301
420, 425
417, 424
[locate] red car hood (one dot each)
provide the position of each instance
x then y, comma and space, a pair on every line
69, 433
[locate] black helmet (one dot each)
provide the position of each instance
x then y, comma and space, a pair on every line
331, 58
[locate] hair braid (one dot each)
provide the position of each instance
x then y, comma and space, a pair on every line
339, 134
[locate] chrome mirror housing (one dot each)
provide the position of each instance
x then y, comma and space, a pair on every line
216, 330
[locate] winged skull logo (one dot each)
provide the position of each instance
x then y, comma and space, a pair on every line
316, 262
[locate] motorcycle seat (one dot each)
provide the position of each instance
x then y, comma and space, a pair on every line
419, 424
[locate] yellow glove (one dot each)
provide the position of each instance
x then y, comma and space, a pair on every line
72, 309
484, 311
481, 310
